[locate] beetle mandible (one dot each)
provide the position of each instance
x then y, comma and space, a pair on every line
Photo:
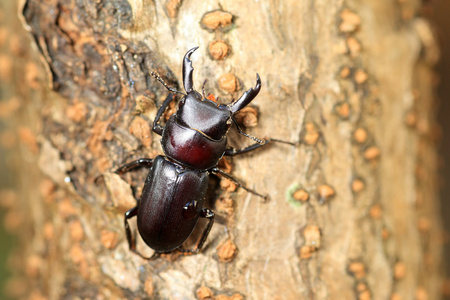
194, 139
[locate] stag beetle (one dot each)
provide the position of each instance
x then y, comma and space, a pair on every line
194, 139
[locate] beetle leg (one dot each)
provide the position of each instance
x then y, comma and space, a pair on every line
147, 162
128, 215
132, 241
157, 128
216, 170
208, 214
230, 151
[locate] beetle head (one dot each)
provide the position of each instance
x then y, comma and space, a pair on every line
204, 115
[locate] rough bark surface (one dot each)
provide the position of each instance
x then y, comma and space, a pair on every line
353, 208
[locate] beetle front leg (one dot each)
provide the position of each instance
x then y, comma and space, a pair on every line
205, 213
230, 177
232, 151
142, 162
132, 240
157, 128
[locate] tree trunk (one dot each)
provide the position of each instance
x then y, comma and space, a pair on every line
353, 210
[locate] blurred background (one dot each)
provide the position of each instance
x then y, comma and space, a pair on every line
6, 173
438, 13
6, 240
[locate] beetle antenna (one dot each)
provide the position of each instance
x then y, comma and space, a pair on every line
156, 75
203, 88
258, 140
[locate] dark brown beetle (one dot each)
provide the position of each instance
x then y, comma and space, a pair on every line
193, 140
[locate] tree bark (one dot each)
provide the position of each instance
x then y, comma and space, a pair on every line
353, 210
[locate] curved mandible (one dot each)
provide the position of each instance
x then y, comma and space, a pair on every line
247, 97
188, 70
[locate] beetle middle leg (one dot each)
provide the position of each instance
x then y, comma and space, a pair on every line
208, 214
230, 177
132, 240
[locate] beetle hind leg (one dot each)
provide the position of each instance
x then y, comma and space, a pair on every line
208, 214
132, 240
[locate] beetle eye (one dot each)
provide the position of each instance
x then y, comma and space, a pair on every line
190, 210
